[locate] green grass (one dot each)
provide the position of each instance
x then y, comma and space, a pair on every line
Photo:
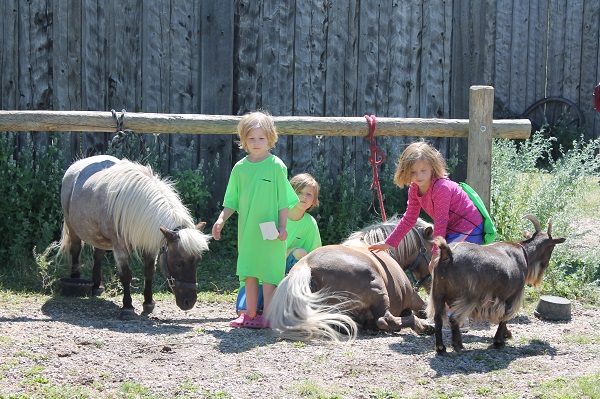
311, 390
587, 387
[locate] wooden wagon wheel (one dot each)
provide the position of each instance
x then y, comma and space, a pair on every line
552, 112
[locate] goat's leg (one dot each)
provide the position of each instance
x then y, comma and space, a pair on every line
97, 287
149, 271
457, 343
438, 319
499, 342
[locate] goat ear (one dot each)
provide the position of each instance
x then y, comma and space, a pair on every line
170, 235
559, 240
200, 226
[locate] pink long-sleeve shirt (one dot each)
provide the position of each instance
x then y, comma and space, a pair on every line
446, 203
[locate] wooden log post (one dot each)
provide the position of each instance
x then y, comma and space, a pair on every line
481, 131
480, 128
94, 121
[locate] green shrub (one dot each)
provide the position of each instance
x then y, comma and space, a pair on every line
30, 179
559, 192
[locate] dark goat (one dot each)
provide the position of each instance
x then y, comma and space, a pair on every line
487, 282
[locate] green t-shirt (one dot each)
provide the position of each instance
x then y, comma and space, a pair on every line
303, 233
257, 191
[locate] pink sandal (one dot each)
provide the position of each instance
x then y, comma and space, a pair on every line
256, 322
240, 321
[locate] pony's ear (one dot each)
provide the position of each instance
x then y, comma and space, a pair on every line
200, 226
170, 235
428, 231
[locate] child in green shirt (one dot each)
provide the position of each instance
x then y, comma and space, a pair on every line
258, 190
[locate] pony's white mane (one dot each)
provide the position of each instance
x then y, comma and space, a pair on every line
380, 231
140, 202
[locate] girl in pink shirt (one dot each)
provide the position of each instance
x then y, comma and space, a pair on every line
455, 217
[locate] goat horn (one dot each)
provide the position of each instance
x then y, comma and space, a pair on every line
549, 226
535, 221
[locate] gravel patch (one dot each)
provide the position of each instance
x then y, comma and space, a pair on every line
77, 347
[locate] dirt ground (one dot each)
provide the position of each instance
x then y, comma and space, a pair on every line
77, 347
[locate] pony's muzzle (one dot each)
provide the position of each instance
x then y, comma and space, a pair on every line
185, 297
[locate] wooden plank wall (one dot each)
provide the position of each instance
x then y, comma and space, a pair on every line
319, 58
548, 48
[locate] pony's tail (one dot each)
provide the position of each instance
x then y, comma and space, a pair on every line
64, 246
298, 314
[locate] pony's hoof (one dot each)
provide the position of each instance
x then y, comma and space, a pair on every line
148, 308
499, 344
127, 314
458, 347
428, 329
98, 291
382, 324
421, 314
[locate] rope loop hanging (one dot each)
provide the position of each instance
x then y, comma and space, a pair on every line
376, 158
121, 136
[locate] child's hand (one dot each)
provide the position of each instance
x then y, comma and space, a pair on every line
283, 234
216, 230
380, 246
433, 263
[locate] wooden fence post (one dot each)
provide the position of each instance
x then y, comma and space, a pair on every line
479, 161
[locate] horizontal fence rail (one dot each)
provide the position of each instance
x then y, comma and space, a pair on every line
94, 121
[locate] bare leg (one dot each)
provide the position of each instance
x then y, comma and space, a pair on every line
268, 291
252, 296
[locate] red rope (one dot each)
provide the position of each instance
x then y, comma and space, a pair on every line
375, 151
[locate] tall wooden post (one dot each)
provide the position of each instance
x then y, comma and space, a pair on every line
479, 169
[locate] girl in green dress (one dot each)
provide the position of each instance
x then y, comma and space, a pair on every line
303, 232
259, 191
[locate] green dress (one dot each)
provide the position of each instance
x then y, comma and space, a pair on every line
257, 191
303, 233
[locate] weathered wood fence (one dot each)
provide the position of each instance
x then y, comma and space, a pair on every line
321, 58
479, 129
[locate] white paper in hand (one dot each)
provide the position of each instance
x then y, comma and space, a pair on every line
269, 230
